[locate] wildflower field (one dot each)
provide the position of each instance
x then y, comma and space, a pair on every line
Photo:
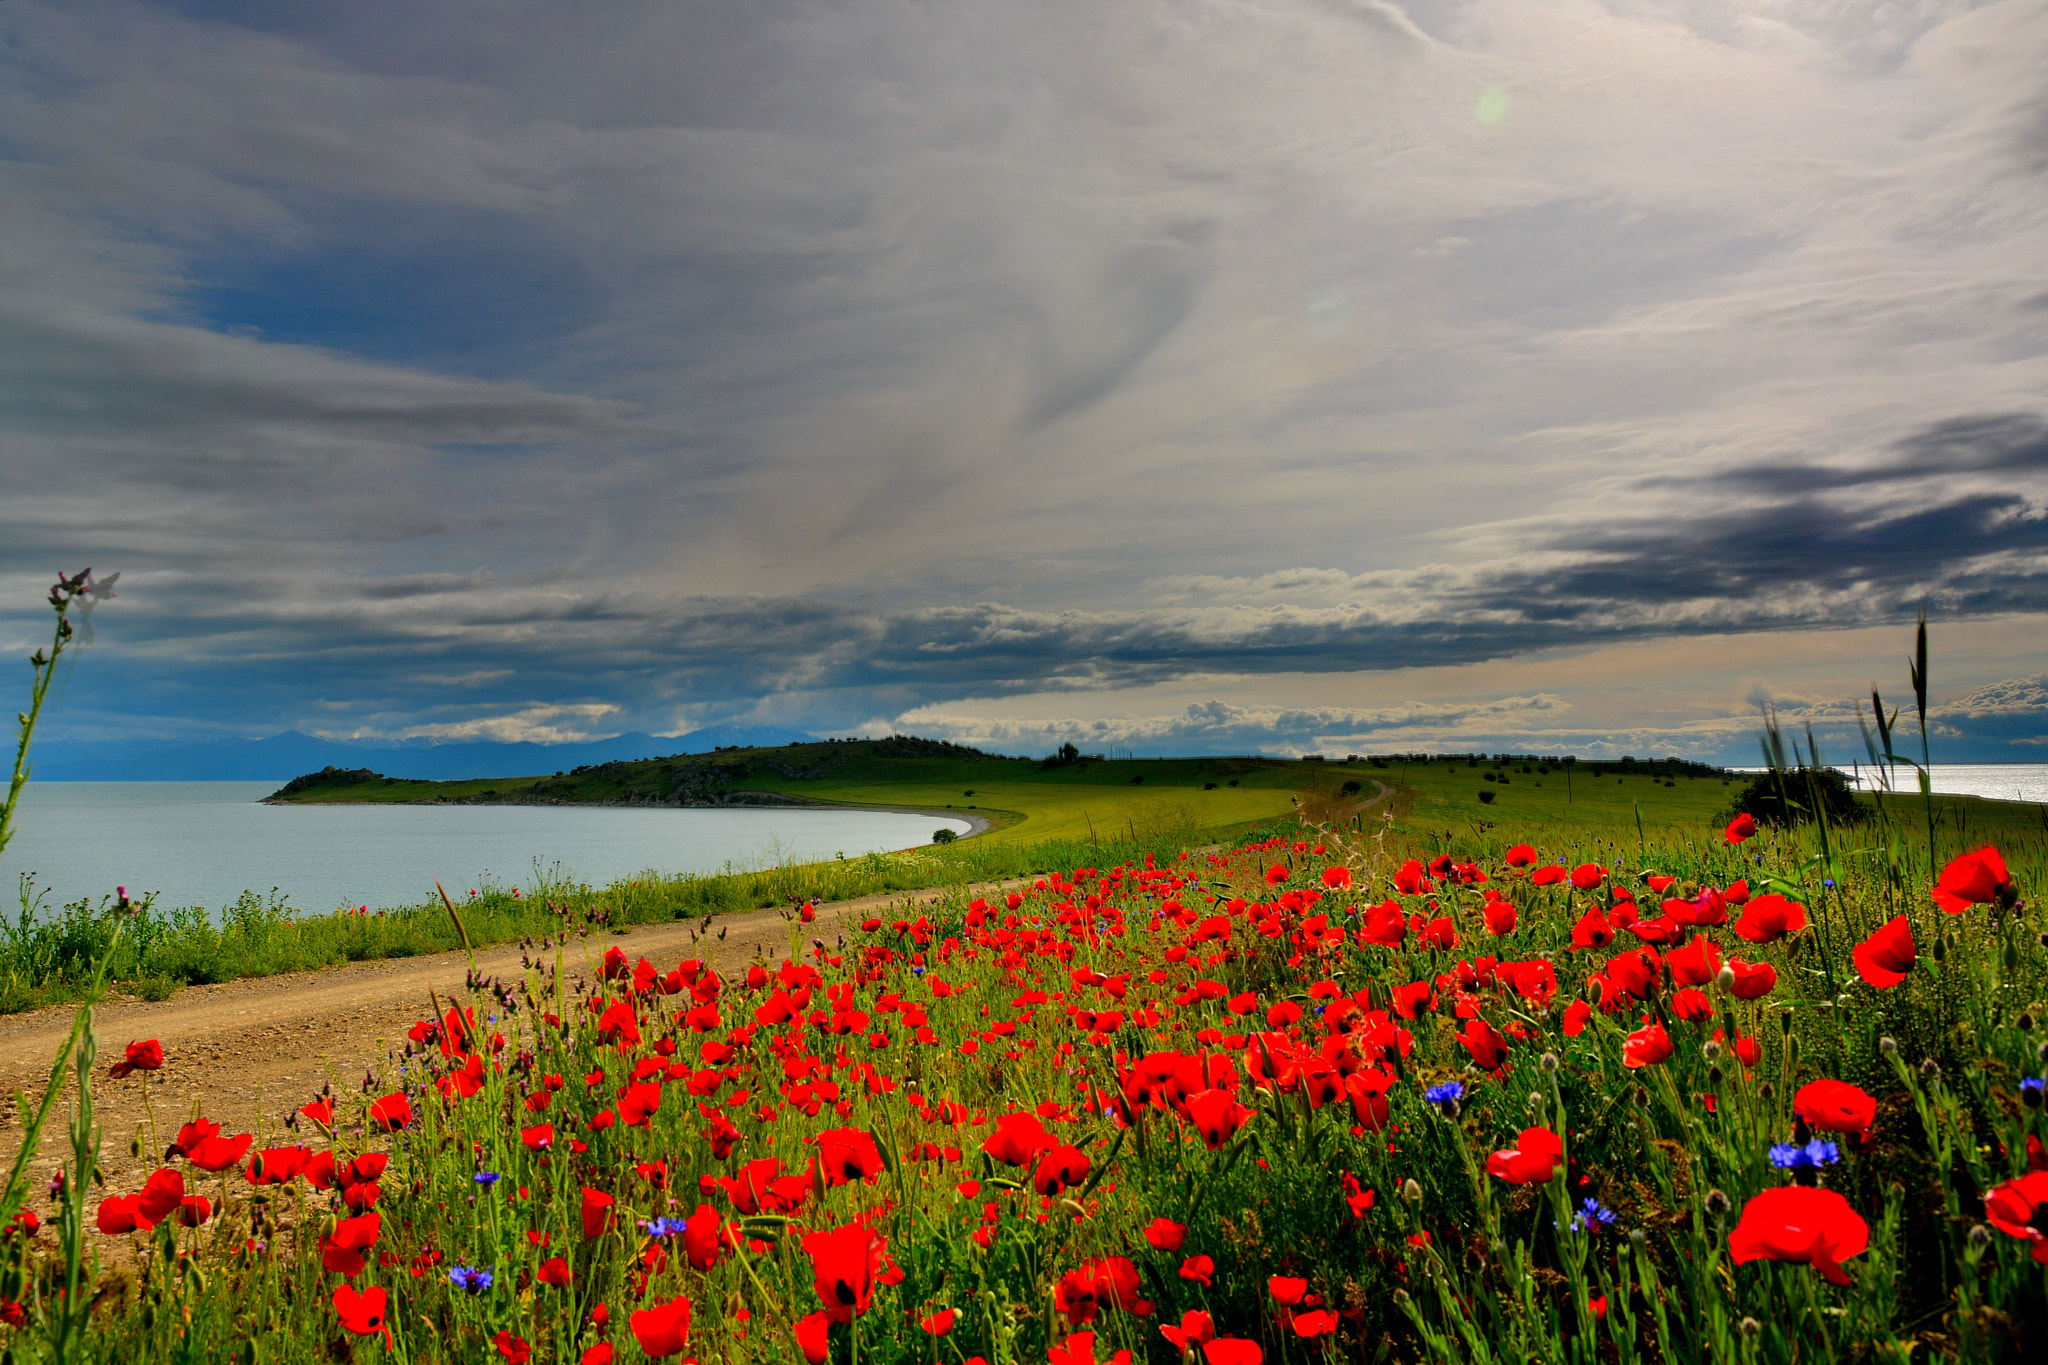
1562, 1093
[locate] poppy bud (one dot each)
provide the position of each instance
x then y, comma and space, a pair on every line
1411, 1190
1711, 1050
1717, 1204
1980, 1237
1941, 949
1766, 1091
2025, 1023
1400, 1298
1725, 978
1887, 1045
1638, 1236
1930, 1070
1548, 1061
1749, 1327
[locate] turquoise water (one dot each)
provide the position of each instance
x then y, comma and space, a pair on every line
204, 843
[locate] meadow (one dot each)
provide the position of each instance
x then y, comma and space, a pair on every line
1383, 1086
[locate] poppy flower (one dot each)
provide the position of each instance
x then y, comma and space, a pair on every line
392, 1112
1410, 879
217, 1153
1697, 963
812, 1337
1500, 917
515, 1350
1488, 1049
122, 1213
1216, 1115
1080, 1350
602, 1354
1286, 1290
1646, 1047
276, 1165
1337, 878
1741, 828
159, 1197
1547, 876
703, 1237
1769, 918
1885, 958
1063, 1168
1385, 925
598, 1214
1577, 1015
1978, 878
1521, 855
538, 1138
1111, 1282
1586, 876
1692, 1005
343, 1251
843, 1268
1318, 1322
1196, 1327
1018, 1139
848, 1154
1368, 1093
939, 1323
663, 1330
1198, 1269
1800, 1223
321, 1111
1533, 1160
2019, 1208
1753, 980
1835, 1106
555, 1273
362, 1314
146, 1055
1592, 931
1417, 997
1165, 1235
639, 1103
1233, 1351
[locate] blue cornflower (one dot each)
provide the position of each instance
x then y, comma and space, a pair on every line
663, 1227
2032, 1083
1592, 1216
487, 1178
474, 1280
1790, 1156
1445, 1095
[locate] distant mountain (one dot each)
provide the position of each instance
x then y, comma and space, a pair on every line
291, 753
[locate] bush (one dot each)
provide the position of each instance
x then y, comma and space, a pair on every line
1762, 801
943, 836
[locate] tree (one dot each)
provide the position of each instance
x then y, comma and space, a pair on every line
1807, 789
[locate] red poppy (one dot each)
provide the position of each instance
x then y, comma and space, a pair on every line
1885, 958
1233, 1351
276, 1165
939, 1323
1592, 931
1548, 876
1770, 917
1337, 878
1646, 1047
1740, 828
1586, 876
392, 1112
663, 1330
146, 1055
1111, 1282
601, 1354
1500, 917
538, 1138
638, 1103
1385, 925
704, 1240
1216, 1115
1488, 1049
1063, 1168
848, 1154
1835, 1106
1410, 880
159, 1197
555, 1272
1800, 1223
812, 1337
598, 1214
1319, 1322
122, 1213
1533, 1160
2019, 1208
1415, 998
217, 1153
1198, 1269
843, 1267
1080, 1350
1165, 1235
1196, 1328
1368, 1093
1577, 1015
1692, 1005
515, 1350
1521, 855
1286, 1290
1753, 980
1697, 963
1018, 1139
343, 1251
361, 1314
321, 1111
1978, 878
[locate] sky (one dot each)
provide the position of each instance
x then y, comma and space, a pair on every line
1168, 375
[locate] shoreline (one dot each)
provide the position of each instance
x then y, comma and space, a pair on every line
977, 823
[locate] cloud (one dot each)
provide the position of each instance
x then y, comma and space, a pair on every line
537, 724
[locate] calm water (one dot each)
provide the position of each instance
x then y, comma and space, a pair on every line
204, 843
1997, 781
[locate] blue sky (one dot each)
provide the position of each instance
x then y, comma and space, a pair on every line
1177, 374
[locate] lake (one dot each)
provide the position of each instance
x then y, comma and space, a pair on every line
204, 843
1996, 781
